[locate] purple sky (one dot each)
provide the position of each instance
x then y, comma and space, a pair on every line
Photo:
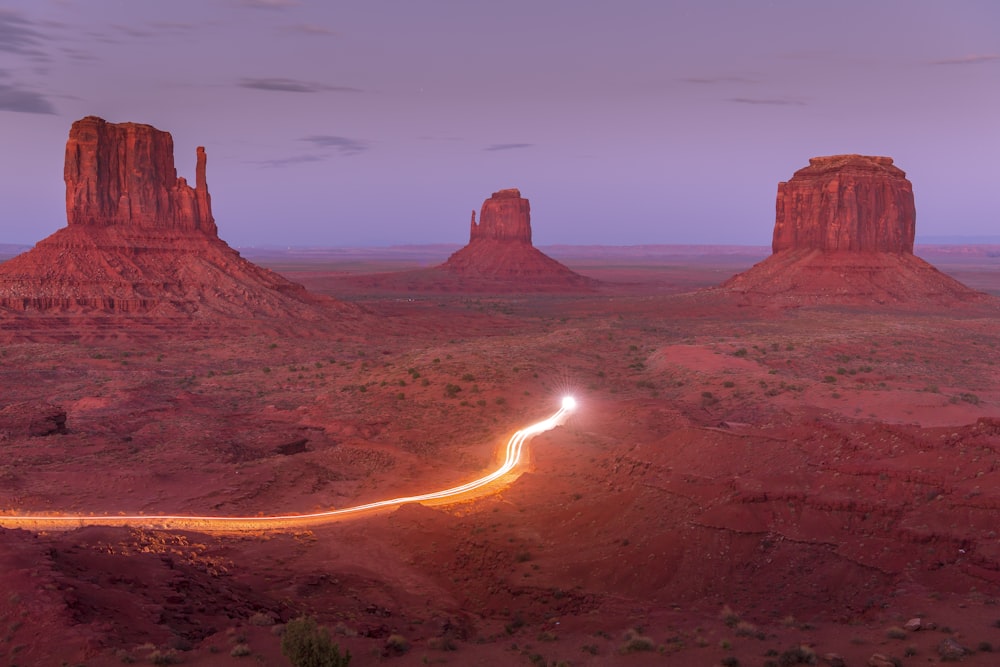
386, 122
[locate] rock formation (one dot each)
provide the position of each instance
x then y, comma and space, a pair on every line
141, 241
123, 174
853, 203
500, 250
843, 233
506, 216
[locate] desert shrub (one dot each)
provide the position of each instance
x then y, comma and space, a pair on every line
634, 643
451, 389
895, 632
742, 352
730, 661
728, 384
168, 657
307, 645
396, 645
984, 647
443, 643
240, 651
468, 377
744, 629
799, 655
261, 619
829, 378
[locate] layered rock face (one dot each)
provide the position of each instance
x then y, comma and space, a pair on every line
854, 203
843, 233
506, 216
123, 174
500, 250
141, 241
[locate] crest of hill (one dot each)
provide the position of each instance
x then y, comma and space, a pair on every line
843, 234
142, 242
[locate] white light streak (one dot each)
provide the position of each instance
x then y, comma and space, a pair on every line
284, 521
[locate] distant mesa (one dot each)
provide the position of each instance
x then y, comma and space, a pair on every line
843, 233
500, 249
141, 241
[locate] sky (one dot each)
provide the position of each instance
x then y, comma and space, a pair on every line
624, 122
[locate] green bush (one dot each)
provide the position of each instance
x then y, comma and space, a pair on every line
307, 645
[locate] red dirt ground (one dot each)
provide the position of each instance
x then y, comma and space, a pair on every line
740, 483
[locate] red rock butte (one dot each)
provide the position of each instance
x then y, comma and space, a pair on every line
843, 233
500, 249
141, 241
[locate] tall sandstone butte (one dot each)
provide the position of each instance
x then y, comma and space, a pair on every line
500, 250
854, 203
123, 174
506, 216
141, 241
843, 233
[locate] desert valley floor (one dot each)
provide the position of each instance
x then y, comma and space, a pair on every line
742, 485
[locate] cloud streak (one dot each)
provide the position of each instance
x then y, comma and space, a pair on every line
507, 147
969, 60
288, 161
23, 101
343, 145
311, 29
709, 80
768, 101
284, 85
18, 35
277, 5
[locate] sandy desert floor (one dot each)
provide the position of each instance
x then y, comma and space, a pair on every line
740, 486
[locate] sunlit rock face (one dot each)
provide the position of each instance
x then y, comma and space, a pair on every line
123, 174
854, 203
506, 216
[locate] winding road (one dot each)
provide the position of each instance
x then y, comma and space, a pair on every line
229, 524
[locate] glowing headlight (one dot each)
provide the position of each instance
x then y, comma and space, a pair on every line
569, 403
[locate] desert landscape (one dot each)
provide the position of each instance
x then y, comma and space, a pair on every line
779, 456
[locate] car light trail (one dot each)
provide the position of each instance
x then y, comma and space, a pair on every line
283, 521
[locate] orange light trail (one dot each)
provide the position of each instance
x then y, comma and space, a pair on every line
283, 521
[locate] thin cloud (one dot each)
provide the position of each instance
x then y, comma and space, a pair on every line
707, 80
344, 145
506, 147
279, 5
23, 101
311, 29
969, 60
138, 33
17, 35
770, 101
287, 161
174, 26
283, 85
